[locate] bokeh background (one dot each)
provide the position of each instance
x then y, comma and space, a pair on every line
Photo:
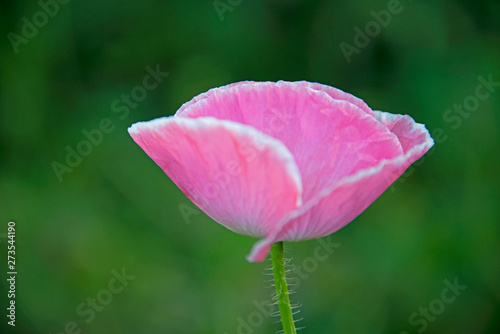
116, 210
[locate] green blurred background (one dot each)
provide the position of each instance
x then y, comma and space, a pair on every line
116, 209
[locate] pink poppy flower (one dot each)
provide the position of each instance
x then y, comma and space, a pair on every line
282, 161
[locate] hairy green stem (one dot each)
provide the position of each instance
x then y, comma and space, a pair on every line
282, 289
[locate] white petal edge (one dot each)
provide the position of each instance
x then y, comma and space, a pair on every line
283, 154
314, 86
400, 160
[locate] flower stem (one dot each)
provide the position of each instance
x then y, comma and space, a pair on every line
282, 289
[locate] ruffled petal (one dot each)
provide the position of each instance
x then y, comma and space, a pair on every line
410, 134
335, 207
338, 94
330, 133
333, 92
240, 177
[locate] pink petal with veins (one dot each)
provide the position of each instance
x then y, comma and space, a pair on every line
321, 157
241, 178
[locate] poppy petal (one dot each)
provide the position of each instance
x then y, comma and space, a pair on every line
331, 134
334, 208
240, 177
